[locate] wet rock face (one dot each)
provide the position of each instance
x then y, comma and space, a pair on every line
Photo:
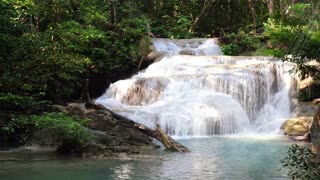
315, 133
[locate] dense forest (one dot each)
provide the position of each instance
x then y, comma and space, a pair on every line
56, 51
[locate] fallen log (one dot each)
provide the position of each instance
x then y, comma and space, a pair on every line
159, 134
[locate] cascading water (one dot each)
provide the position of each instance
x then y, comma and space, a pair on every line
205, 95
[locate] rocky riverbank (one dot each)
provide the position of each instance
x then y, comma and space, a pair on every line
110, 134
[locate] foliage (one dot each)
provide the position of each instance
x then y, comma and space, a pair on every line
297, 35
7, 98
265, 51
177, 27
21, 128
51, 49
62, 127
302, 163
231, 49
296, 38
239, 42
15, 130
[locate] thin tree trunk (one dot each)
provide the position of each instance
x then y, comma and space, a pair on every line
316, 7
113, 13
270, 4
206, 6
140, 63
253, 14
281, 6
150, 34
85, 97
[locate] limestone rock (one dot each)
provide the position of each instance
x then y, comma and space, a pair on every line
297, 126
58, 108
155, 54
316, 101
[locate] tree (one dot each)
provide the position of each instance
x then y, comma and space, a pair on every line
270, 4
253, 13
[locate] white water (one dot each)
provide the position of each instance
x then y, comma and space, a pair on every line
192, 46
205, 95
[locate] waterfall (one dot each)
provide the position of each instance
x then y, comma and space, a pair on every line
205, 93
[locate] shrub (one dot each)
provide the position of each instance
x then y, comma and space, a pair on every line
54, 128
301, 163
61, 127
231, 49
239, 42
18, 100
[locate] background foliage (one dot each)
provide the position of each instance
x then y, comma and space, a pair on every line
55, 49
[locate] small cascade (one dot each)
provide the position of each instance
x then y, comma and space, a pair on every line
197, 47
205, 93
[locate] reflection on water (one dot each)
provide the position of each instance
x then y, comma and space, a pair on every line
124, 171
211, 158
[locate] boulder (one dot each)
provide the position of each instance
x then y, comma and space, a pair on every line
113, 134
297, 126
107, 129
152, 56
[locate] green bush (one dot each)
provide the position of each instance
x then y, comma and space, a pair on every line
19, 129
264, 51
231, 49
61, 127
302, 163
240, 42
8, 98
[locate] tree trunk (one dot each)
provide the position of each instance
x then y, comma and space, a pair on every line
253, 14
85, 97
281, 7
270, 4
113, 12
206, 6
150, 34
316, 6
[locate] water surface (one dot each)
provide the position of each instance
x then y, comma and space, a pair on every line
211, 158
